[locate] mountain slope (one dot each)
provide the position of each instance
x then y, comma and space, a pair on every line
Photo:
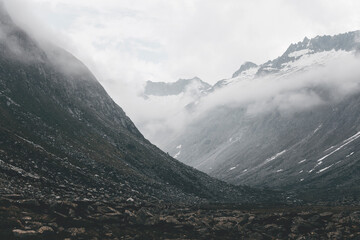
288, 124
62, 136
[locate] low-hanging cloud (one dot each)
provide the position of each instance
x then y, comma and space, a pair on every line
304, 90
327, 83
125, 43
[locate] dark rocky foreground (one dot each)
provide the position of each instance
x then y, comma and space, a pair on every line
127, 219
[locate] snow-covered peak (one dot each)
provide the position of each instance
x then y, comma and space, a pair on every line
345, 42
246, 74
244, 67
298, 56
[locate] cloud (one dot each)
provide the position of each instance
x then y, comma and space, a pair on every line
127, 42
318, 85
331, 82
165, 40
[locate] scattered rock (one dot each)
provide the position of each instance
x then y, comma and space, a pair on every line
76, 231
169, 219
45, 230
326, 214
121, 220
18, 233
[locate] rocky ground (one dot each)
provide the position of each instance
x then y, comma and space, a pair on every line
127, 219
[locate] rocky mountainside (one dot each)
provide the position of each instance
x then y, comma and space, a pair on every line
63, 137
303, 133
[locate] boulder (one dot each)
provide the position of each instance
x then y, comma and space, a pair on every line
18, 233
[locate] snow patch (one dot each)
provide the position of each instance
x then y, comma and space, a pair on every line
349, 154
301, 171
269, 69
245, 170
324, 169
178, 154
309, 59
329, 148
179, 147
236, 139
344, 143
313, 169
280, 170
275, 156
299, 53
317, 129
302, 161
232, 168
245, 75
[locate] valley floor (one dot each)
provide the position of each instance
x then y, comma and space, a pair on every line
33, 219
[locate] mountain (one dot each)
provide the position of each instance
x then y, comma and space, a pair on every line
299, 56
63, 137
74, 166
246, 66
246, 71
312, 47
291, 123
180, 86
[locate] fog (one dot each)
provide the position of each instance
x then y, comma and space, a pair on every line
327, 83
126, 43
299, 91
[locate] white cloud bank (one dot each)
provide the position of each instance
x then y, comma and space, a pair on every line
127, 42
328, 83
316, 85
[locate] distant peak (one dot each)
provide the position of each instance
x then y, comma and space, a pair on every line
344, 41
249, 65
173, 88
245, 66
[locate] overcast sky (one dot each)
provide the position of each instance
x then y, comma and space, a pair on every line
127, 42
131, 41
